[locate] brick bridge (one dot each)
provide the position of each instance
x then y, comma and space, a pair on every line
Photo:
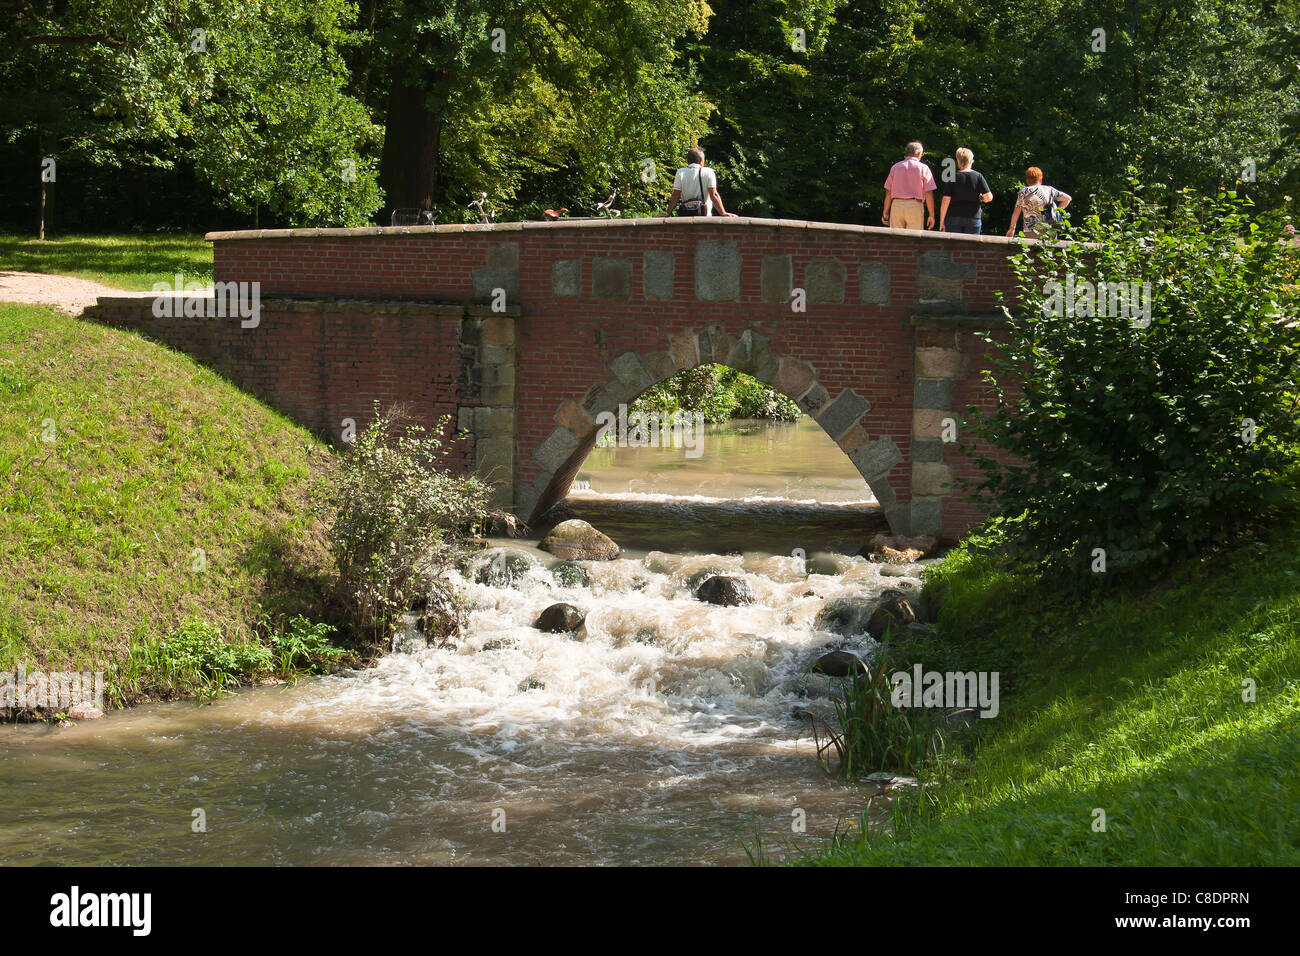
524, 332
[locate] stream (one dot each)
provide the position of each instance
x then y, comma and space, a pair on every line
668, 731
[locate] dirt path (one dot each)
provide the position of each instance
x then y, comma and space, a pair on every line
70, 294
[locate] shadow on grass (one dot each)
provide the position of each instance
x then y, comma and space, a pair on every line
131, 261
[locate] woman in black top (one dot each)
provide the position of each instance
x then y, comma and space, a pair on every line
961, 210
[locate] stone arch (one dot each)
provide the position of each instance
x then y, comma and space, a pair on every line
561, 454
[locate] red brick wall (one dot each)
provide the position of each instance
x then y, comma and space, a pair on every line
320, 363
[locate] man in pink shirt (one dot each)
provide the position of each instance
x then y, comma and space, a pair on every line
909, 187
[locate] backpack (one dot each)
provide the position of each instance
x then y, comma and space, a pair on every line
1051, 213
694, 207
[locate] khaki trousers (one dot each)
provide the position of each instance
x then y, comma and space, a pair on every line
907, 214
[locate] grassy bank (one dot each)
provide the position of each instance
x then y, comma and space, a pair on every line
153, 518
128, 262
1132, 705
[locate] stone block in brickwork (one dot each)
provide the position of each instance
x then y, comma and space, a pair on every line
876, 457
843, 413
575, 418
566, 278
685, 349
873, 283
611, 279
824, 281
556, 450
717, 271
749, 352
794, 377
931, 290
938, 363
928, 423
657, 267
931, 478
814, 400
494, 421
777, 278
660, 365
942, 264
933, 393
629, 370
927, 450
926, 516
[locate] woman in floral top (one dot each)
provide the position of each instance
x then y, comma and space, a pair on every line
1033, 199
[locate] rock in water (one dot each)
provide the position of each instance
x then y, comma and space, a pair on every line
504, 568
725, 590
84, 712
559, 619
894, 611
839, 664
898, 549
847, 616
570, 575
576, 540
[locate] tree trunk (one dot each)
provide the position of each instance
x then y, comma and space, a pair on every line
40, 149
409, 165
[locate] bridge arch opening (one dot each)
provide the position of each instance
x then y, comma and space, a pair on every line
844, 418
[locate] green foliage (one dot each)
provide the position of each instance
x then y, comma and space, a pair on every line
305, 646
255, 104
1189, 92
395, 519
719, 393
872, 734
198, 648
1145, 440
572, 99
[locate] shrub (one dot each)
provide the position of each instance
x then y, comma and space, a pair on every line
396, 519
1138, 438
198, 652
303, 645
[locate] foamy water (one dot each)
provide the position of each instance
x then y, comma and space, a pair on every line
665, 731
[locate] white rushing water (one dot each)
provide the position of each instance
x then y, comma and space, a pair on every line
664, 731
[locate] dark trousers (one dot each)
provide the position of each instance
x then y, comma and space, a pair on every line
970, 227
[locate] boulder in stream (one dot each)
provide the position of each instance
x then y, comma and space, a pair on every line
504, 567
569, 574
839, 664
577, 540
893, 612
560, 619
846, 616
897, 548
725, 590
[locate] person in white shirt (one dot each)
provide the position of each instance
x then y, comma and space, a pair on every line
695, 189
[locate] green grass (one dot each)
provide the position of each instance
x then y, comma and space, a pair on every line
128, 262
165, 496
1132, 705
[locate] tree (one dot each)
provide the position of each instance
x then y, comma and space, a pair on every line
537, 104
252, 91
